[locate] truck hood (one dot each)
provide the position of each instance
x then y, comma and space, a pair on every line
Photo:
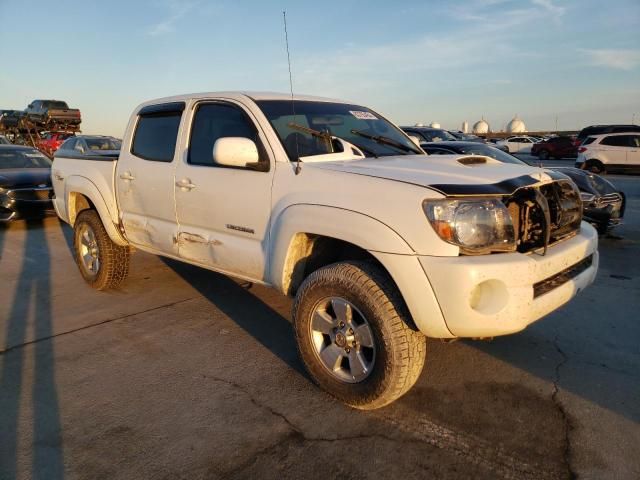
447, 174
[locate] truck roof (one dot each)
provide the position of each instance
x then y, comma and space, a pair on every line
238, 95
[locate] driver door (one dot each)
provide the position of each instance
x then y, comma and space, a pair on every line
223, 212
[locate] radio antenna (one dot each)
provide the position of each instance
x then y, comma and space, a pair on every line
293, 103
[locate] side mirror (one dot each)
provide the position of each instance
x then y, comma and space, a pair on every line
235, 152
415, 139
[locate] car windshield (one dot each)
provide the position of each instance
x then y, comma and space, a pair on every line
23, 158
356, 124
103, 143
486, 150
437, 135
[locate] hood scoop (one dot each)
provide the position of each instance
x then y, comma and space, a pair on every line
475, 160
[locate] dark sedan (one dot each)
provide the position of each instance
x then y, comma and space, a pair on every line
25, 183
603, 204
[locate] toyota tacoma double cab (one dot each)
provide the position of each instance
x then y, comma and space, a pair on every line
329, 202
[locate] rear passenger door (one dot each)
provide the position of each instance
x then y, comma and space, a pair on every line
145, 179
223, 212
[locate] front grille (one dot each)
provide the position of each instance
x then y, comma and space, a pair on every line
32, 194
545, 214
562, 277
609, 199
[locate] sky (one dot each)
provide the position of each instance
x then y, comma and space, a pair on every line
577, 61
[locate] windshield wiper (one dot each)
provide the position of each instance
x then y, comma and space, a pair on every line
385, 141
327, 137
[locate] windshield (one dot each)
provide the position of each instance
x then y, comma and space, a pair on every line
486, 150
23, 159
338, 119
435, 135
103, 144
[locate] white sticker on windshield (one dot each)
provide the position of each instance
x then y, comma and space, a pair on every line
363, 115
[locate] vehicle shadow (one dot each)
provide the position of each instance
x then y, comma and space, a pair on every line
31, 309
257, 318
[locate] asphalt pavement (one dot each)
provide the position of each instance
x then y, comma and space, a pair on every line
184, 373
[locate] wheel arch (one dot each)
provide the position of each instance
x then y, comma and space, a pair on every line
307, 237
82, 194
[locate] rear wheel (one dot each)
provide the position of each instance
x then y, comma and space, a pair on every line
543, 154
355, 335
102, 263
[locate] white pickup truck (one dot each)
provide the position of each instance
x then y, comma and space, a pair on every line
328, 201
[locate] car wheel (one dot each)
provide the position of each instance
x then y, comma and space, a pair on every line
594, 166
543, 154
102, 263
355, 335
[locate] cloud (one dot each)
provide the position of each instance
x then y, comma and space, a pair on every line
620, 59
176, 10
550, 7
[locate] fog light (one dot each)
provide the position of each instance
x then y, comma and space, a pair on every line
489, 297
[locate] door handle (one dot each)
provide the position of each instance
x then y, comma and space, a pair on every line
185, 184
57, 175
127, 176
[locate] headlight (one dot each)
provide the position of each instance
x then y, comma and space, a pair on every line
587, 197
477, 226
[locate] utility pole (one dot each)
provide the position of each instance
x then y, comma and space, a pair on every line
633, 119
556, 124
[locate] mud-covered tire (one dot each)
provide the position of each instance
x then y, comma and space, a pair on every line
399, 348
113, 266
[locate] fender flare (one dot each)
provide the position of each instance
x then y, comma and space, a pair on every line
76, 184
346, 225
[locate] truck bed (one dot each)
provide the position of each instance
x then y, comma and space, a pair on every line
71, 172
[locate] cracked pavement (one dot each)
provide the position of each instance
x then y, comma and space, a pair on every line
183, 373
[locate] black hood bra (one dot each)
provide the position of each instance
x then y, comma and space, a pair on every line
506, 187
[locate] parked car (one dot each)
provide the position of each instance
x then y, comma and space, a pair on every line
555, 147
48, 112
428, 134
594, 130
519, 144
10, 119
301, 203
603, 204
25, 183
466, 137
4, 140
99, 145
616, 152
51, 142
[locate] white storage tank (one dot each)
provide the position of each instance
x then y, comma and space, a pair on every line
481, 127
516, 125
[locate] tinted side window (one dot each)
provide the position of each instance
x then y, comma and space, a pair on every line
213, 121
156, 135
617, 141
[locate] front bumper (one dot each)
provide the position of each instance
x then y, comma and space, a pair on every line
491, 295
13, 209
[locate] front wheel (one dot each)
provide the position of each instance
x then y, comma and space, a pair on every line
543, 155
102, 263
355, 336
